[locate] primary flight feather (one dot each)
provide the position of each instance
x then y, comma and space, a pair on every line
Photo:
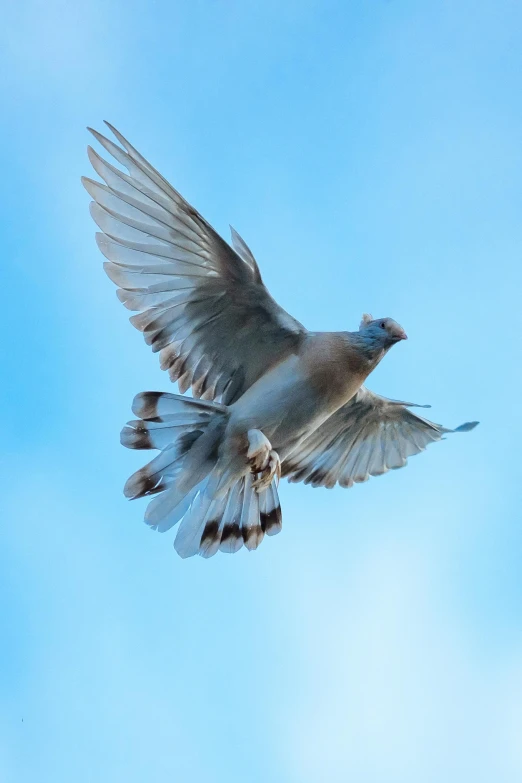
270, 398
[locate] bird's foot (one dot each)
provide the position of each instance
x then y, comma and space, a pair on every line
266, 476
263, 460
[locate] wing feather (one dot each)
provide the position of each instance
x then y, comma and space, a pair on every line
366, 437
199, 303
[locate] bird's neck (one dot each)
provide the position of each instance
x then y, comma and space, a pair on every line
369, 347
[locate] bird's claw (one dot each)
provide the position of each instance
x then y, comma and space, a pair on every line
271, 470
263, 460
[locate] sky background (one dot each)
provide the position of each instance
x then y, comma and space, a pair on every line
370, 153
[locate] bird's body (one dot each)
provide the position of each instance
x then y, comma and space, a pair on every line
293, 398
269, 397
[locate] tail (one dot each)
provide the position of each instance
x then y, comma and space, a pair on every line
187, 432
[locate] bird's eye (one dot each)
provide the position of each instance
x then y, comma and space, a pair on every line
382, 325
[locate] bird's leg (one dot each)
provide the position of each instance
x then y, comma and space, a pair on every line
263, 460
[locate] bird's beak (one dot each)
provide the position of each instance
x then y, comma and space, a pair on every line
402, 335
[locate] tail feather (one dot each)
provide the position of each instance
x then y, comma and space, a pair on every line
270, 511
191, 470
167, 509
186, 486
251, 530
202, 512
149, 435
230, 539
160, 433
162, 470
153, 405
214, 524
227, 522
172, 424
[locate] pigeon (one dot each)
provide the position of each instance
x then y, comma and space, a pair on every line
270, 399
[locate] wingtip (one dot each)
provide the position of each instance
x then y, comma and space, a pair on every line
118, 136
111, 128
96, 134
467, 426
88, 184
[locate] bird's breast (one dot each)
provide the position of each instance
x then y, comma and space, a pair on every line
335, 370
299, 394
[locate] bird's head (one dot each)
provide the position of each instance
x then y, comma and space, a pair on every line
382, 331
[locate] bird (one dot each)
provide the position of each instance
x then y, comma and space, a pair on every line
269, 398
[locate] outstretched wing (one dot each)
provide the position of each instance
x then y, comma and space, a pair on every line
366, 437
200, 303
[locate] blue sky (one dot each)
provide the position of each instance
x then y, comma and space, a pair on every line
370, 154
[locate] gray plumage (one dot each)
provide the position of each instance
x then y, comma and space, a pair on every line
269, 397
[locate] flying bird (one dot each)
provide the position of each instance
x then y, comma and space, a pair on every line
269, 398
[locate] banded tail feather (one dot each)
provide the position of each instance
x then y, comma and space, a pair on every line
186, 432
170, 423
240, 517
